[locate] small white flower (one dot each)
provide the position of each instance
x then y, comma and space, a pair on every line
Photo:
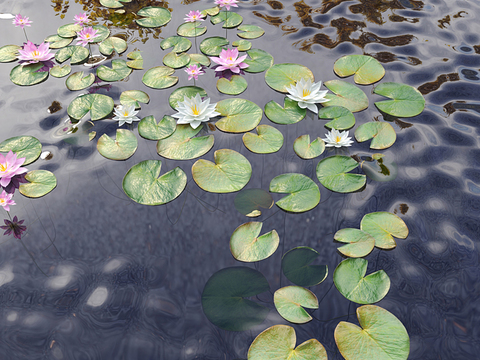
194, 111
337, 139
307, 94
125, 114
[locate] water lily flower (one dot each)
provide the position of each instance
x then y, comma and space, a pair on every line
125, 114
6, 200
86, 36
9, 167
15, 182
193, 71
21, 21
194, 111
228, 61
81, 19
33, 54
14, 226
337, 139
193, 16
307, 94
226, 3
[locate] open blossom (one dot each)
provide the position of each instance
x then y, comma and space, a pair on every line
193, 71
226, 3
14, 226
86, 36
9, 167
337, 139
193, 16
228, 61
81, 19
21, 21
33, 54
6, 200
307, 94
194, 111
125, 114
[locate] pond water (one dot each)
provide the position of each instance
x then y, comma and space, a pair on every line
107, 278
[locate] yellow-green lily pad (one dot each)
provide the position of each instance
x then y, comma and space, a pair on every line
160, 77
383, 134
281, 76
57, 42
178, 43
117, 72
60, 71
230, 19
242, 45
306, 149
180, 93
290, 302
69, 30
114, 4
28, 147
345, 94
367, 69
76, 54
183, 145
213, 46
303, 193
191, 29
246, 245
235, 86
359, 243
134, 97
176, 61
9, 53
111, 44
149, 129
136, 60
259, 61
250, 31
199, 59
99, 106
238, 115
383, 226
268, 140
406, 101
291, 113
332, 172
343, 119
40, 183
123, 147
153, 16
77, 81
27, 75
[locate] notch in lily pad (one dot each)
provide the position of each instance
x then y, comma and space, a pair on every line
214, 45
281, 76
303, 193
250, 202
238, 115
306, 149
134, 97
333, 173
343, 119
246, 245
77, 81
259, 61
406, 101
183, 145
290, 302
178, 43
268, 140
291, 113
40, 183
28, 147
136, 60
235, 86
117, 72
159, 77
99, 106
367, 69
346, 95
153, 16
122, 148
382, 133
27, 75
297, 267
383, 226
9, 53
250, 31
359, 243
111, 44
230, 19
191, 29
76, 54
149, 129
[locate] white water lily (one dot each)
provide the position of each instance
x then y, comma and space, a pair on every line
307, 94
337, 139
194, 111
125, 114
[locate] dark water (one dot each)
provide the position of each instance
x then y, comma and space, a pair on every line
124, 281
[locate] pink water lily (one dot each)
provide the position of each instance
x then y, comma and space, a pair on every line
86, 36
226, 3
228, 61
81, 19
6, 200
21, 21
193, 71
34, 54
193, 16
9, 167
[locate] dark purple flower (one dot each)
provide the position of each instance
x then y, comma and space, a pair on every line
14, 226
15, 183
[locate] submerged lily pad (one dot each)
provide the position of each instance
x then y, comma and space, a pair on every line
183, 145
137, 60
27, 75
60, 71
250, 31
142, 184
247, 246
191, 29
259, 61
134, 97
268, 140
230, 19
290, 302
296, 266
24, 146
179, 44
149, 129
69, 30
160, 77
113, 43
176, 61
382, 133
347, 95
123, 147
383, 226
367, 69
238, 115
76, 54
281, 76
291, 113
303, 193
100, 106
57, 42
119, 71
77, 81
249, 202
40, 183
154, 16
406, 100
213, 46
332, 172
343, 119
235, 86
242, 45
306, 149
360, 243
380, 168
9, 53
178, 95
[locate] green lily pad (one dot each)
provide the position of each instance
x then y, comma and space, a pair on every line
230, 172
230, 19
102, 33
291, 113
360, 243
343, 119
134, 97
40, 183
249, 202
242, 45
250, 31
153, 16
114, 4
290, 302
185, 91
77, 81
268, 140
381, 336
113, 43
306, 149
380, 168
406, 100
191, 29
27, 75
159, 77
57, 42
213, 46
183, 145
278, 343
350, 280
199, 59
211, 11
60, 71
100, 106
176, 61
332, 172
9, 53
179, 44
137, 60
69, 30
259, 61
91, 135
24, 146
383, 226
383, 134
224, 298
149, 129
142, 184
247, 246
123, 147
303, 193
236, 85
367, 69
119, 71
347, 95
76, 54
296, 266
238, 115
281, 76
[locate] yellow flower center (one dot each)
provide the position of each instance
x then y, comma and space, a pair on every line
125, 113
87, 36
3, 202
230, 58
306, 92
338, 139
195, 110
3, 167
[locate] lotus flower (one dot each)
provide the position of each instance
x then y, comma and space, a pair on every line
81, 19
14, 226
193, 16
31, 54
337, 139
193, 71
21, 21
9, 167
228, 61
6, 200
307, 94
125, 114
86, 36
194, 111
226, 3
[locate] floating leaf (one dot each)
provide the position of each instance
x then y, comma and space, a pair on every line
179, 44
77, 81
137, 60
102, 33
100, 106
259, 61
114, 4
69, 30
119, 71
57, 42
406, 100
347, 95
350, 280
176, 61
113, 43
250, 31
296, 266
247, 246
236, 85
60, 71
213, 46
159, 77
306, 149
238, 115
182, 145
242, 45
290, 302
185, 91
123, 147
27, 75
76, 54
249, 202
332, 172
281, 76
91, 135
230, 19
142, 184
40, 183
380, 168
9, 53
303, 193
24, 146
367, 69
343, 118
191, 29
381, 336
290, 114
134, 97
154, 16
230, 172
382, 133
149, 129
224, 298
199, 59
211, 11
383, 226
268, 140
360, 243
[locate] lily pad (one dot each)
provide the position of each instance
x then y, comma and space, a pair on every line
60, 71
230, 19
178, 43
268, 140
383, 226
382, 133
69, 30
247, 246
40, 183
230, 172
100, 106
142, 184
199, 59
113, 43
238, 115
242, 45
102, 33
76, 54
154, 16
290, 302
77, 81
160, 77
185, 91
360, 243
250, 31
224, 298
406, 100
332, 172
350, 280
137, 60
343, 119
213, 46
249, 202
211, 11
259, 61
27, 75
134, 97
296, 266
278, 343
291, 113
149, 129
119, 71
347, 95
24, 146
236, 85
306, 149
380, 168
367, 69
303, 193
176, 61
9, 53
114, 4
191, 29
123, 147
57, 42
381, 336
281, 76
183, 145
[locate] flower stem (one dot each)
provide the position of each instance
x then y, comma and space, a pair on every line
195, 29
89, 53
226, 19
24, 31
